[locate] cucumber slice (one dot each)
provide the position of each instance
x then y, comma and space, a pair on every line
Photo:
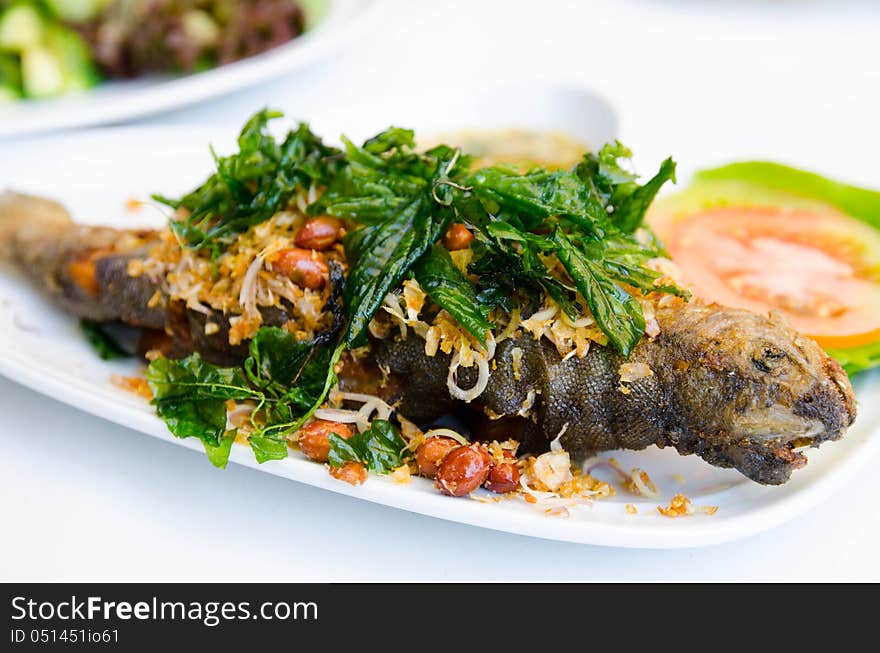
10, 72
8, 94
77, 11
78, 72
41, 72
21, 27
315, 11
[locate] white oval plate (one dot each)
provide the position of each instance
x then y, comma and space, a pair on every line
95, 173
118, 101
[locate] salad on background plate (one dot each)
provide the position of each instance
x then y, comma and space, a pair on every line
51, 47
69, 63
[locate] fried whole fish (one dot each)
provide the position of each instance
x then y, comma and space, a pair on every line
737, 389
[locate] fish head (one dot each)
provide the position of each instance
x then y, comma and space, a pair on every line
775, 392
792, 389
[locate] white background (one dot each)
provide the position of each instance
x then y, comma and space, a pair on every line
795, 81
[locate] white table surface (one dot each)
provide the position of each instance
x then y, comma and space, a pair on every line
83, 499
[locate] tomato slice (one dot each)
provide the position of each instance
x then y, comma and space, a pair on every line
821, 269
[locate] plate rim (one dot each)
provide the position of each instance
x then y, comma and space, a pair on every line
671, 534
666, 535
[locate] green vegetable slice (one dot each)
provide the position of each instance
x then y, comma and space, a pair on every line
860, 203
380, 448
857, 359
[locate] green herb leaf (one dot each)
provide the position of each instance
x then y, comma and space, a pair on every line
382, 254
266, 448
284, 378
379, 181
253, 184
342, 451
219, 454
539, 194
294, 375
190, 396
396, 192
103, 344
276, 356
450, 289
617, 312
380, 448
393, 138
630, 207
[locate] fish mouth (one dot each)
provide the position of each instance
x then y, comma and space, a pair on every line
769, 463
771, 444
773, 440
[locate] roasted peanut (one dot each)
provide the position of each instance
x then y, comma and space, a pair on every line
318, 233
503, 478
457, 237
303, 266
314, 438
351, 472
431, 453
463, 470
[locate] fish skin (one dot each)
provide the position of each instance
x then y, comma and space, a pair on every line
737, 389
39, 237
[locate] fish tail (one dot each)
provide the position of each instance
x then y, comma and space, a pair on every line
25, 220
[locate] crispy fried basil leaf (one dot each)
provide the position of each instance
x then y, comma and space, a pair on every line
539, 194
383, 251
253, 184
380, 448
615, 187
276, 356
450, 289
190, 396
266, 448
630, 206
617, 312
382, 254
294, 377
284, 378
219, 454
393, 138
103, 344
625, 259
518, 265
380, 179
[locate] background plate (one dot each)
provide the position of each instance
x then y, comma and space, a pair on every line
95, 173
117, 101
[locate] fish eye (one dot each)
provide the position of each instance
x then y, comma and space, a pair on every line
767, 358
